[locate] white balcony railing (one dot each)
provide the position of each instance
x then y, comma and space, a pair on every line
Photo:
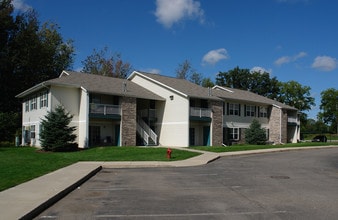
200, 112
293, 120
105, 109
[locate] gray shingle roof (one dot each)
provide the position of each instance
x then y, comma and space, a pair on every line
100, 84
186, 87
247, 96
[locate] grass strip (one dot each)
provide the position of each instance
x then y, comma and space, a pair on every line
20, 164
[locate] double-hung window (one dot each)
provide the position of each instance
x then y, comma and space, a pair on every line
33, 102
263, 112
27, 105
234, 109
234, 133
250, 110
32, 130
44, 99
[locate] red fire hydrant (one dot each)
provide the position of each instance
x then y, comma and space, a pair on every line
169, 153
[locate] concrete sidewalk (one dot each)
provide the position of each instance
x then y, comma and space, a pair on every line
27, 200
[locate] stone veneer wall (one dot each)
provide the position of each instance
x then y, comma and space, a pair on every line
278, 125
128, 121
217, 123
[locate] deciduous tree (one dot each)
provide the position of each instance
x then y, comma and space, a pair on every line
256, 82
294, 94
101, 63
329, 108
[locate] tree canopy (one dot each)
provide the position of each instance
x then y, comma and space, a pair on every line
101, 63
329, 108
256, 82
291, 93
29, 53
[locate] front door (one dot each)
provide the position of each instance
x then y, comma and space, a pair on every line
94, 135
117, 135
192, 136
206, 136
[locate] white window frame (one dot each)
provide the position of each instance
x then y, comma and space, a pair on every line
33, 103
234, 133
263, 112
32, 131
250, 110
234, 109
44, 99
27, 106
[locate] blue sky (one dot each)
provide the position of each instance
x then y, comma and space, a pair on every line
290, 39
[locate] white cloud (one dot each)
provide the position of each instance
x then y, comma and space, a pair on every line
288, 59
260, 70
20, 5
282, 60
214, 56
324, 63
169, 12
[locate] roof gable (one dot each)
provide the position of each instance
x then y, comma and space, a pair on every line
97, 84
181, 86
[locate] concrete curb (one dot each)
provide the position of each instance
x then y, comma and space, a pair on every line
35, 212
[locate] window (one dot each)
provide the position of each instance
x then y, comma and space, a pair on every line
33, 102
263, 112
250, 110
44, 99
27, 106
234, 109
234, 133
32, 129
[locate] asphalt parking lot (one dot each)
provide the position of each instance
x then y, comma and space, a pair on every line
283, 185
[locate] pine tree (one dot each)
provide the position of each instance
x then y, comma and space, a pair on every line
56, 134
255, 134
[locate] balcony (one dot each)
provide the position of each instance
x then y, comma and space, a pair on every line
293, 120
200, 114
104, 111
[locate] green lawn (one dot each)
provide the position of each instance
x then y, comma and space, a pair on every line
20, 164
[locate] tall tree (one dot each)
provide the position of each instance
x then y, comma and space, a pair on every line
196, 78
101, 63
294, 94
329, 108
184, 70
29, 53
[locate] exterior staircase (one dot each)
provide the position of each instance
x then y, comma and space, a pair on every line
147, 134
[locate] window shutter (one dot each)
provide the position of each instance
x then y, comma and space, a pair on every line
239, 109
255, 111
228, 108
259, 112
244, 110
